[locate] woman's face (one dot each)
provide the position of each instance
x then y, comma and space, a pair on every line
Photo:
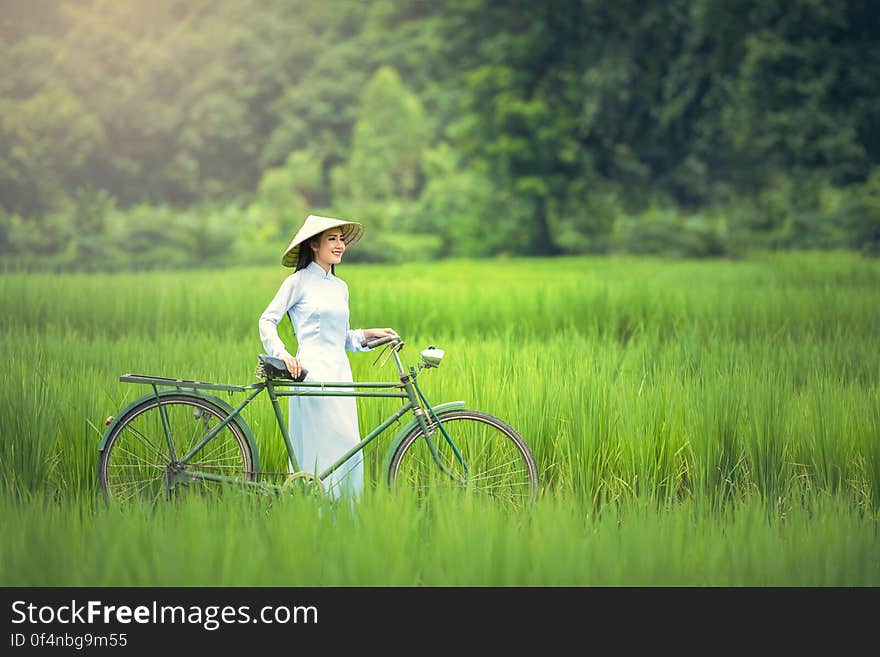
329, 249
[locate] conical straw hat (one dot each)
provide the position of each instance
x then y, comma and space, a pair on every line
314, 225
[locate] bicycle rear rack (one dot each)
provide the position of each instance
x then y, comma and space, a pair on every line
184, 383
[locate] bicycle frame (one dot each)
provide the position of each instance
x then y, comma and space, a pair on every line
405, 389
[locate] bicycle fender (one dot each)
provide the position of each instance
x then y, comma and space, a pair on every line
398, 438
249, 435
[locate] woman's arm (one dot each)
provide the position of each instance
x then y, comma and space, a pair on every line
355, 337
274, 313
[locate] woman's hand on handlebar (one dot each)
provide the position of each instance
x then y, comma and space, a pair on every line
293, 365
370, 334
378, 336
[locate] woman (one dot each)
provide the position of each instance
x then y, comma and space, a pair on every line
321, 428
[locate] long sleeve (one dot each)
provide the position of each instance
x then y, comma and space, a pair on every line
286, 297
353, 337
353, 340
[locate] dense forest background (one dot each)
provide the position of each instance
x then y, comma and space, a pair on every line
170, 133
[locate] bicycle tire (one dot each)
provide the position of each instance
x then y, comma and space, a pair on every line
500, 463
135, 460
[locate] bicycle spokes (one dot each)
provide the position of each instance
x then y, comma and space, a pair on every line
140, 460
499, 464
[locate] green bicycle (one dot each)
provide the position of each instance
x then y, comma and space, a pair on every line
179, 436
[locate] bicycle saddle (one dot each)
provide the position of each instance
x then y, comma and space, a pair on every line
274, 368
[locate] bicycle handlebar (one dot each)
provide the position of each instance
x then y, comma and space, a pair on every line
376, 342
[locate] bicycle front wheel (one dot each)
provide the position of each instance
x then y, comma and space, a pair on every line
140, 463
492, 460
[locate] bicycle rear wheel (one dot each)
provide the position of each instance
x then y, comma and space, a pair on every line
499, 463
136, 462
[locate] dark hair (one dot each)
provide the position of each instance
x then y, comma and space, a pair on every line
306, 255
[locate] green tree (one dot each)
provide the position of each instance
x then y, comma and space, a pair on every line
388, 140
792, 106
456, 204
48, 139
279, 206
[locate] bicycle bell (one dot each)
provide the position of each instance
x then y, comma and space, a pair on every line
432, 356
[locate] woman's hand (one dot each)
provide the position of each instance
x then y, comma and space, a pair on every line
372, 333
293, 365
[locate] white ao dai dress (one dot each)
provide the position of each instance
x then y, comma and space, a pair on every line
322, 429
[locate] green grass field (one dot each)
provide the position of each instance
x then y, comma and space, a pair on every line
695, 423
